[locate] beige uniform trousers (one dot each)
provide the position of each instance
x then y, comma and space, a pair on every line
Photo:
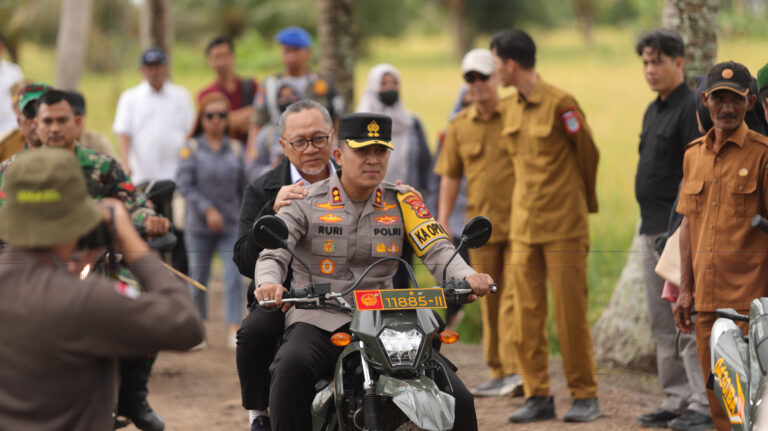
564, 262
496, 309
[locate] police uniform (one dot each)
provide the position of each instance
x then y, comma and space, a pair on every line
338, 241
476, 149
555, 159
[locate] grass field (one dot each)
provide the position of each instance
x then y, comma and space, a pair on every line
605, 78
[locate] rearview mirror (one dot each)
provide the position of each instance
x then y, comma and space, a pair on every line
270, 232
476, 232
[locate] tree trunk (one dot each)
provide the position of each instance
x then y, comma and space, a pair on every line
585, 10
696, 21
72, 42
464, 35
156, 25
337, 36
622, 336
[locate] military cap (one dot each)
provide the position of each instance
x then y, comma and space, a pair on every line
295, 37
363, 129
153, 55
30, 93
46, 201
730, 76
762, 78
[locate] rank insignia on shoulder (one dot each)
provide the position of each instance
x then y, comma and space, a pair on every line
327, 266
329, 206
335, 195
377, 201
184, 153
330, 218
386, 219
571, 120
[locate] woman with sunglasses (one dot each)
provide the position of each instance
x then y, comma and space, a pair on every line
211, 178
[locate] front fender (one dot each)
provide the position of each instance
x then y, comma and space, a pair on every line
420, 400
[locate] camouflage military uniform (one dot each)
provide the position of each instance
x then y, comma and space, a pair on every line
104, 178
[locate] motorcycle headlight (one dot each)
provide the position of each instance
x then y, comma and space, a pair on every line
401, 347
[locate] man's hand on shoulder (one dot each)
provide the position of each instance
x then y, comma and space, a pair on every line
288, 193
408, 188
268, 291
480, 284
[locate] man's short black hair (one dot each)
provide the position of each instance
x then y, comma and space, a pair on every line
76, 101
515, 44
52, 97
662, 41
219, 40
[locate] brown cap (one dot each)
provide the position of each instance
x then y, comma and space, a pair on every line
730, 76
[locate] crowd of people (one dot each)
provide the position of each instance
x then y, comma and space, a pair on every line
286, 147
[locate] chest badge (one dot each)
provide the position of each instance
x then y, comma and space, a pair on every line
329, 206
330, 218
393, 248
743, 172
381, 247
329, 246
327, 266
386, 219
385, 206
335, 195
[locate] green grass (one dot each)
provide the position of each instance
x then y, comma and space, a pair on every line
605, 78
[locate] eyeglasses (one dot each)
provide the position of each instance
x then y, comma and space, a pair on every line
471, 77
318, 142
212, 115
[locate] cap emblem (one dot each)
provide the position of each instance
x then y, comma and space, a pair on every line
373, 129
727, 73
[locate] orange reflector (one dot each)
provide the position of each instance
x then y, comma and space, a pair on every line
449, 337
341, 339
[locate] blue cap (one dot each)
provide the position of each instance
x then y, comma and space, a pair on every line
153, 55
295, 37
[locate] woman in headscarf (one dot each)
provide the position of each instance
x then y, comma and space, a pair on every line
410, 160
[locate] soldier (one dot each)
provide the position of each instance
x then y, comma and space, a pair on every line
552, 149
344, 223
296, 44
57, 126
61, 334
475, 148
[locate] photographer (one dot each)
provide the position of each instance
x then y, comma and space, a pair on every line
61, 335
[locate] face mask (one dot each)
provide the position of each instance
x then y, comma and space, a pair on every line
389, 97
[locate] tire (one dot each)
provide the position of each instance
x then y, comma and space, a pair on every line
408, 426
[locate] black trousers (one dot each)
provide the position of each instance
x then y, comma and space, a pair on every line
307, 355
257, 341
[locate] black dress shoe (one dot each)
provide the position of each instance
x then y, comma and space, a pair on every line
143, 417
583, 410
691, 420
535, 409
657, 419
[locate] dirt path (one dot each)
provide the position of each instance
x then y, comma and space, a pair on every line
200, 390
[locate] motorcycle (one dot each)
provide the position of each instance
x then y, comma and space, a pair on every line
740, 362
386, 378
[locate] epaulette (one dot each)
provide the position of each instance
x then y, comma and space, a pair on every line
696, 141
757, 137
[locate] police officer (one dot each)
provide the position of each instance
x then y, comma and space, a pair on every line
296, 44
61, 334
346, 222
552, 149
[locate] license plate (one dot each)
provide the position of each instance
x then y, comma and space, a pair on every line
400, 299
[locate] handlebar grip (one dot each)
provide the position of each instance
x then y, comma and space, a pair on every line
760, 222
494, 288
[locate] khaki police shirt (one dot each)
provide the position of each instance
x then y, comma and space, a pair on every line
555, 162
476, 148
338, 243
721, 192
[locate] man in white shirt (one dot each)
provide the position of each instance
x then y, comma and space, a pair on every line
152, 121
11, 77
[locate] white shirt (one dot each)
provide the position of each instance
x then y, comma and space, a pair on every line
296, 175
10, 75
158, 123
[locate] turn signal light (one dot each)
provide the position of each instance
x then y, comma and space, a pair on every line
341, 339
449, 337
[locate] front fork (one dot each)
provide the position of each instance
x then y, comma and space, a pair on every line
369, 394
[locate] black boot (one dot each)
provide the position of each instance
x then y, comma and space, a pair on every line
132, 399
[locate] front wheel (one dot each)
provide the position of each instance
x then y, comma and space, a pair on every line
408, 426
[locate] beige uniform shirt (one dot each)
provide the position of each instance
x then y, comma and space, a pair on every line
555, 163
338, 243
477, 149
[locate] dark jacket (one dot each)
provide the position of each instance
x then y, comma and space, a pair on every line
258, 200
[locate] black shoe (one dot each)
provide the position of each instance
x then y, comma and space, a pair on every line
535, 409
657, 419
261, 423
583, 410
691, 420
143, 417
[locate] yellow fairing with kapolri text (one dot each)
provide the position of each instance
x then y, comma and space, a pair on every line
423, 230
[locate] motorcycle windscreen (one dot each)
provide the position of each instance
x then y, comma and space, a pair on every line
420, 400
729, 359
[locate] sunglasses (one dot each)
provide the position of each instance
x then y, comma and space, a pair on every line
471, 77
212, 115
